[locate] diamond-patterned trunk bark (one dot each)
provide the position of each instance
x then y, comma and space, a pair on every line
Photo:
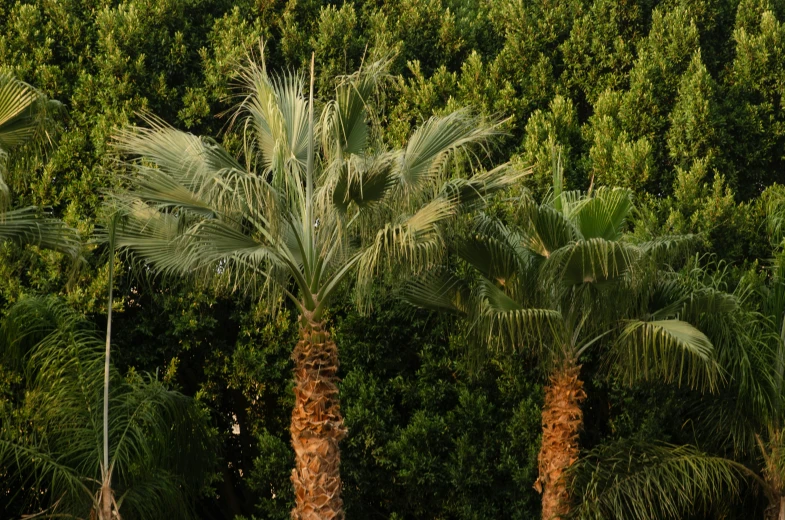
562, 420
317, 427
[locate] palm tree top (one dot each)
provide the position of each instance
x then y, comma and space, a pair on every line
310, 200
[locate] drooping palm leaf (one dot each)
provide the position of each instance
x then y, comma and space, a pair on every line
671, 350
626, 480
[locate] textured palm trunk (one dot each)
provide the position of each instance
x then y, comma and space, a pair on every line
562, 420
317, 427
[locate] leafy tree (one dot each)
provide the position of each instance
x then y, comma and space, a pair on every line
614, 158
283, 218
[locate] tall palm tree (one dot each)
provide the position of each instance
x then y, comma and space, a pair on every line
51, 462
311, 203
24, 118
563, 277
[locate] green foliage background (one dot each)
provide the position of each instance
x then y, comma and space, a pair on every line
682, 101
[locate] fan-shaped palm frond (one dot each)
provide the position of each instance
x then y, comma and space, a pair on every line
27, 226
25, 117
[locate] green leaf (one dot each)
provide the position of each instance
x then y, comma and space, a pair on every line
672, 350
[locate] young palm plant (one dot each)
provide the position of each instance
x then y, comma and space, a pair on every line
51, 436
562, 277
313, 202
24, 118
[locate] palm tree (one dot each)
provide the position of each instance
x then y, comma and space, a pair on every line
298, 217
634, 479
24, 118
50, 438
564, 277
762, 382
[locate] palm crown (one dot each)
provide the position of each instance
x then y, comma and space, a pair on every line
562, 275
286, 214
313, 200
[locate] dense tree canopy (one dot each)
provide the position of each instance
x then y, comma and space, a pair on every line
680, 102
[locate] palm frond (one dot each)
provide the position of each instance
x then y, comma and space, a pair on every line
25, 116
153, 430
628, 480
490, 256
507, 323
595, 260
603, 215
27, 226
545, 229
434, 142
472, 193
672, 350
276, 113
438, 292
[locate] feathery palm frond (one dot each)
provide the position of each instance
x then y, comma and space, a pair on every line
671, 350
156, 433
627, 480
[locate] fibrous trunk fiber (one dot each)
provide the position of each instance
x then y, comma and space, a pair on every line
317, 427
562, 420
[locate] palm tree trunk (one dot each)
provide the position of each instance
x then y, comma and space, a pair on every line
776, 509
562, 420
106, 500
317, 427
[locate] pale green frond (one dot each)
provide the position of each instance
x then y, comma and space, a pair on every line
345, 119
190, 159
156, 236
473, 193
262, 117
25, 116
434, 142
413, 240
188, 171
212, 241
603, 215
595, 260
671, 350
412, 243
26, 226
293, 106
15, 98
628, 480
